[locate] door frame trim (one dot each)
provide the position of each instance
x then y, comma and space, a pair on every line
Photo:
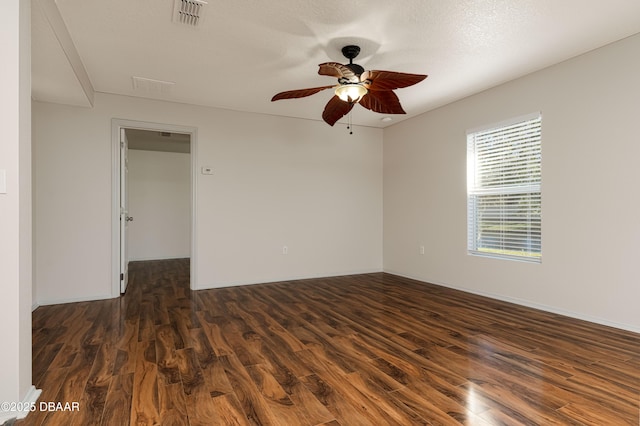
116, 125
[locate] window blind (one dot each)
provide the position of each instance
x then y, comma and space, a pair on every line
504, 190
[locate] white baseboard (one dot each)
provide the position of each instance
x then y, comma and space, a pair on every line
73, 300
287, 278
529, 304
34, 306
215, 285
29, 400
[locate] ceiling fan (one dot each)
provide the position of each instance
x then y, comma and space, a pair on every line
371, 89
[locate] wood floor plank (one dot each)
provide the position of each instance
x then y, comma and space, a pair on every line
255, 407
118, 402
285, 361
173, 408
276, 398
144, 399
595, 415
283, 371
146, 324
263, 320
73, 386
44, 359
166, 356
214, 333
617, 371
398, 412
198, 400
215, 379
126, 345
342, 384
160, 310
371, 349
98, 383
336, 403
230, 410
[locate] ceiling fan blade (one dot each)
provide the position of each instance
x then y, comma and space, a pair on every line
335, 110
382, 101
301, 93
389, 80
335, 69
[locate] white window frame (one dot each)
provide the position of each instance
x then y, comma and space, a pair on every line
495, 183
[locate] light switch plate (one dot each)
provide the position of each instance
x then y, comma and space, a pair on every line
3, 181
207, 170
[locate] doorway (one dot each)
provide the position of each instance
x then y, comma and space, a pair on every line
153, 179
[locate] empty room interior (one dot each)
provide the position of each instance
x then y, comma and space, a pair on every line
320, 213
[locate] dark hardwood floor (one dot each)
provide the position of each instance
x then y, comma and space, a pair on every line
371, 349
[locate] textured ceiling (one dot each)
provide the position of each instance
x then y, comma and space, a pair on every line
245, 51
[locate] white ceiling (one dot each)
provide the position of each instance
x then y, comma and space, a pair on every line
245, 51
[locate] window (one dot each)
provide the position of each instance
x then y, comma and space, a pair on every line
503, 190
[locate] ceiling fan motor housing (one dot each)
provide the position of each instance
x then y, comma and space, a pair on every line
357, 69
350, 52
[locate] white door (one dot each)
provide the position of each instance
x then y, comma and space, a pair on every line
124, 212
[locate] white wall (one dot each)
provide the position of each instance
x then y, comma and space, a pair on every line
160, 204
591, 232
15, 204
277, 181
318, 190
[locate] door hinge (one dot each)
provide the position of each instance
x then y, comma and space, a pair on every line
121, 277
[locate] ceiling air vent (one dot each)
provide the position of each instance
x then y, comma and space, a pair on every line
150, 86
188, 11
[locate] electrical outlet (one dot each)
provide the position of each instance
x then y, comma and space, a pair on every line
285, 250
421, 249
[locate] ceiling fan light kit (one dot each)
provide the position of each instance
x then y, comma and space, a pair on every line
371, 89
351, 92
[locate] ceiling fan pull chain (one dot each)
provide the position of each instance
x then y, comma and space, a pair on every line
350, 123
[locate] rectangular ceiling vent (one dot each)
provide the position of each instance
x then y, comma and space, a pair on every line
188, 12
152, 87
